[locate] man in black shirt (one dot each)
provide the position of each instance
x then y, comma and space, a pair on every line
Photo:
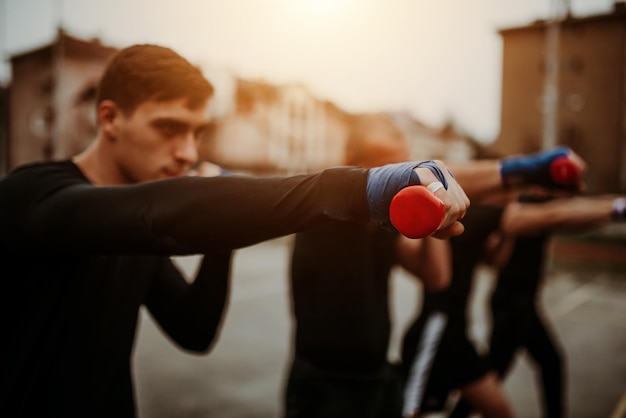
84, 243
340, 299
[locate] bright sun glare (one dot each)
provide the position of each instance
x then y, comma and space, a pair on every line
320, 8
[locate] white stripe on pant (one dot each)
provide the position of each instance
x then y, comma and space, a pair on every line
420, 369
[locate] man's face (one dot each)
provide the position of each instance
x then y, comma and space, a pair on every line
158, 140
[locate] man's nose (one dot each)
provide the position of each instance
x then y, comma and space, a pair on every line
187, 149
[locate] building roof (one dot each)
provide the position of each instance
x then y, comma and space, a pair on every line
617, 14
71, 46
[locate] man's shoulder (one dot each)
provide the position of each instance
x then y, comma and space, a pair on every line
39, 178
45, 170
44, 166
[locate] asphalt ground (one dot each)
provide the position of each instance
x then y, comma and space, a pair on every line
243, 375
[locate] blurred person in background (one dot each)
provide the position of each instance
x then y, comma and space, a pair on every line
340, 285
519, 320
516, 248
438, 356
340, 298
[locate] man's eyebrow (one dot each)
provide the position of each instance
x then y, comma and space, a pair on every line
170, 121
180, 123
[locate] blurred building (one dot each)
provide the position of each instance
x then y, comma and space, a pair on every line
427, 142
259, 128
52, 99
287, 130
590, 114
277, 129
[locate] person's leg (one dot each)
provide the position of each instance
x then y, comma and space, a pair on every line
426, 359
507, 335
504, 343
548, 357
486, 397
505, 340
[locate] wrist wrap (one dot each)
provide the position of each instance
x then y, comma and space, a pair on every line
531, 169
384, 182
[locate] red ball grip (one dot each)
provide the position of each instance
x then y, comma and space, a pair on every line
565, 172
416, 212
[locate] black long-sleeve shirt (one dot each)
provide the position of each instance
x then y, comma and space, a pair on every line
339, 283
78, 261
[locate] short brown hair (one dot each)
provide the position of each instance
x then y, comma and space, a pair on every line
151, 72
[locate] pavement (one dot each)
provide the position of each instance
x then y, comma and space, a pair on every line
243, 375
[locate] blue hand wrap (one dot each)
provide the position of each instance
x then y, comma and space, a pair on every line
530, 169
384, 182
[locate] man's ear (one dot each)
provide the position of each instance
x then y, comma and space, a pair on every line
108, 114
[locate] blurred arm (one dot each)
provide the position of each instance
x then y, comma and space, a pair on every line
429, 259
482, 178
575, 212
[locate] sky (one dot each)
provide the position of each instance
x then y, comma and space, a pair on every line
437, 60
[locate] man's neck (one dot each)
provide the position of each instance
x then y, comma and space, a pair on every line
97, 166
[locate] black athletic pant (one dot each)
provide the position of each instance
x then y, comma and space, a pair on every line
517, 327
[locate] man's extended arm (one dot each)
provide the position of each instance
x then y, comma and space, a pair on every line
191, 215
178, 216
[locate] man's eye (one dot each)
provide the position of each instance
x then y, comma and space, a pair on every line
169, 129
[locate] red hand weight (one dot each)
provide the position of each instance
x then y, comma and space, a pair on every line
564, 171
416, 212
